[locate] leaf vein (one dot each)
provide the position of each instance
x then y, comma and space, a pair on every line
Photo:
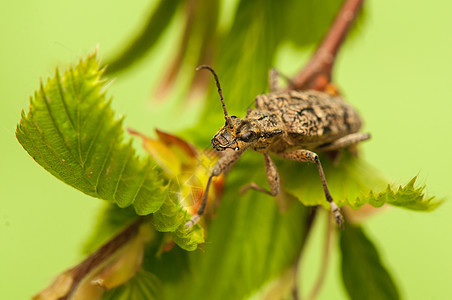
141, 183
104, 163
47, 104
96, 134
77, 97
120, 175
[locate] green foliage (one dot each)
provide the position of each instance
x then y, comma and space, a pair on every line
363, 274
171, 267
352, 182
188, 239
172, 218
158, 21
70, 130
249, 243
169, 217
253, 50
110, 221
408, 197
143, 285
258, 29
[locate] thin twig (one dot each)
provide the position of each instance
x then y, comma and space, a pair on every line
317, 72
317, 75
324, 263
309, 224
102, 254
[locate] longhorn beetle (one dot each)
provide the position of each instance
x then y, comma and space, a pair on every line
291, 124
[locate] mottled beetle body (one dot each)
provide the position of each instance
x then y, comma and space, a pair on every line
290, 124
284, 121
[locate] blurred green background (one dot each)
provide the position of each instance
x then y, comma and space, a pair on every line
396, 72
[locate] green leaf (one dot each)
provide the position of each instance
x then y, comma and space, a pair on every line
313, 19
249, 242
110, 221
347, 179
351, 182
169, 266
251, 44
188, 239
242, 66
70, 131
158, 21
172, 218
408, 197
169, 217
143, 286
363, 274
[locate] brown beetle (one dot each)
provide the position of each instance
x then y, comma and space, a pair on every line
291, 124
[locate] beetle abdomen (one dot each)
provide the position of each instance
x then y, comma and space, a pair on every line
311, 116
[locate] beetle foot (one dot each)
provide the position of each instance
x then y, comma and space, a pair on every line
337, 215
192, 222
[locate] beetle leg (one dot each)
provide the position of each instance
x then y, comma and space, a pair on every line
272, 178
308, 156
222, 165
273, 83
346, 141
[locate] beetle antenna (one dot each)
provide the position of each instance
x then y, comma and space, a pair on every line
220, 92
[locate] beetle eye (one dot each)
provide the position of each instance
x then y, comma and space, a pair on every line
247, 136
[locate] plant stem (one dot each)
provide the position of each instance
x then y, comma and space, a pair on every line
324, 263
101, 255
317, 72
309, 224
317, 75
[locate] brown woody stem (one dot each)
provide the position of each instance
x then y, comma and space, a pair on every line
317, 72
309, 223
102, 254
324, 263
317, 75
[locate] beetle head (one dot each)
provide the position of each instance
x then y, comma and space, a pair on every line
236, 133
241, 135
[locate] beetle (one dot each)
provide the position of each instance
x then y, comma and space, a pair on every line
291, 124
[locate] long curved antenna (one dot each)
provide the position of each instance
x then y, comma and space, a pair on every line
220, 92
